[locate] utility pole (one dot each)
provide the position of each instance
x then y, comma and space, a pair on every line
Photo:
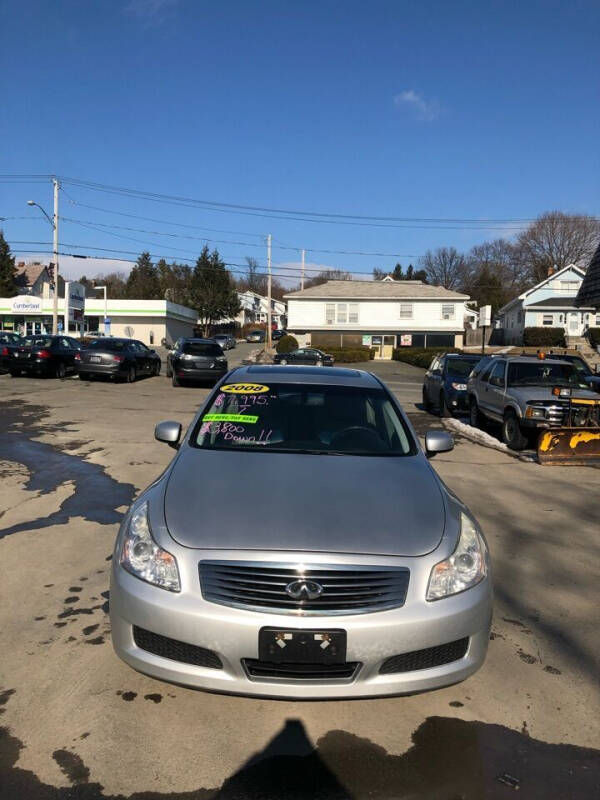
302, 272
55, 258
269, 292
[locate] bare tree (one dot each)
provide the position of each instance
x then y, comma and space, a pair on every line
445, 267
556, 240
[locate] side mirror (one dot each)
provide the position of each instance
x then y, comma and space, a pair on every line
168, 432
438, 442
152, 351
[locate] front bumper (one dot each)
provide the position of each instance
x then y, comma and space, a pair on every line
233, 635
458, 401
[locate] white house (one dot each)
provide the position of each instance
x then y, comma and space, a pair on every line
254, 308
381, 314
549, 304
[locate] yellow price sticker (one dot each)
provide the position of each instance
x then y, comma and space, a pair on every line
244, 388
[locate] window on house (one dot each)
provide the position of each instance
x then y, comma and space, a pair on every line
406, 310
569, 287
598, 320
448, 311
341, 313
353, 312
330, 313
548, 319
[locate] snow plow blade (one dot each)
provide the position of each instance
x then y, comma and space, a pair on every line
569, 446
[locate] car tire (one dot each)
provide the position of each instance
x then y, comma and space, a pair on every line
60, 370
15, 373
157, 368
476, 419
169, 371
512, 435
175, 380
283, 361
319, 362
131, 375
443, 409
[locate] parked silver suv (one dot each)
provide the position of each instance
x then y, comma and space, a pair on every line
517, 393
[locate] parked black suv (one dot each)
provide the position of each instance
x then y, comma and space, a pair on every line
197, 360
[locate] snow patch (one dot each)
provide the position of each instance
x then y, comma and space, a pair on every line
485, 439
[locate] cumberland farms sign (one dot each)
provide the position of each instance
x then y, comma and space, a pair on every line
25, 304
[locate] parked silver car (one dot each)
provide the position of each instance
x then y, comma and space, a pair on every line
340, 566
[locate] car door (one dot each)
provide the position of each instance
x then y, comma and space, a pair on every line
436, 381
495, 389
146, 355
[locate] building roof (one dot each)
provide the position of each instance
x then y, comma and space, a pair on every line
376, 290
554, 302
27, 274
589, 291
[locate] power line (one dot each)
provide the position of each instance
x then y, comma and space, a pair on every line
320, 216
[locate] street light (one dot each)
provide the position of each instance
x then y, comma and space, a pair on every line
54, 222
97, 289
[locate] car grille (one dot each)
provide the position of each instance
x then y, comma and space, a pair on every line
555, 414
425, 659
304, 672
259, 586
177, 651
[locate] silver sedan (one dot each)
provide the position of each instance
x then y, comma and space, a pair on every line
300, 545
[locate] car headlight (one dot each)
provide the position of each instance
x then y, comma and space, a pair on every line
466, 567
220, 358
533, 412
142, 557
460, 387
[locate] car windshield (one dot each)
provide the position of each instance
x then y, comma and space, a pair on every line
201, 349
38, 341
544, 373
580, 365
114, 345
460, 367
293, 418
10, 338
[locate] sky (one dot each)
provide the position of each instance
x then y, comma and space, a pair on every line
420, 111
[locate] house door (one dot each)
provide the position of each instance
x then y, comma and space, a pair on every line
384, 346
575, 323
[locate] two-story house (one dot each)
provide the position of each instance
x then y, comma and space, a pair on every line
381, 314
552, 304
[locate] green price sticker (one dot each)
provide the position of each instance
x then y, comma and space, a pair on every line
249, 418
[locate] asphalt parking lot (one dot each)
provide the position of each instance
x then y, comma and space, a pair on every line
78, 723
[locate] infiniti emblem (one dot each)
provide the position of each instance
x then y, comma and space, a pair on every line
304, 590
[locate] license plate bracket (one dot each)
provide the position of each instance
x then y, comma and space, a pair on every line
302, 645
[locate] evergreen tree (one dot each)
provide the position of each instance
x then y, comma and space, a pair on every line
398, 274
143, 282
410, 273
212, 291
8, 271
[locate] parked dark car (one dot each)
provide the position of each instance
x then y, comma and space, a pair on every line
255, 336
8, 341
47, 356
196, 360
120, 359
583, 368
225, 340
305, 355
277, 335
445, 383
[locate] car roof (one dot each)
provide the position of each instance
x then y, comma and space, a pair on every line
470, 356
198, 339
325, 376
533, 359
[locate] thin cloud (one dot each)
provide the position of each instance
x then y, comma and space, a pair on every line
425, 110
150, 11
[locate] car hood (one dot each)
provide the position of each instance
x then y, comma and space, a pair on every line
533, 393
284, 501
